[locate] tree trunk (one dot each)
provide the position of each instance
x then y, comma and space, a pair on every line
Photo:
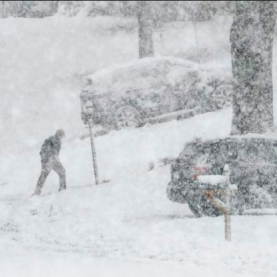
146, 47
251, 39
2, 9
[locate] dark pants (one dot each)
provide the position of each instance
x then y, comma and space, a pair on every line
46, 167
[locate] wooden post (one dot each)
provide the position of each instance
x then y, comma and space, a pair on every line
93, 153
225, 207
227, 213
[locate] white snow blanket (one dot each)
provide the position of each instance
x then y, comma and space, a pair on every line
126, 227
212, 179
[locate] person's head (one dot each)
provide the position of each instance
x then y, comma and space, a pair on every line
60, 133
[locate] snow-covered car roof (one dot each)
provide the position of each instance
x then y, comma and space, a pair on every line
138, 74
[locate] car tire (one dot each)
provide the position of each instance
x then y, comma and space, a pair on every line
195, 209
201, 205
127, 116
208, 208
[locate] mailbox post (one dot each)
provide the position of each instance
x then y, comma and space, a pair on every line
227, 213
88, 109
223, 187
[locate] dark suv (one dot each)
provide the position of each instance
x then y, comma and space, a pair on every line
253, 168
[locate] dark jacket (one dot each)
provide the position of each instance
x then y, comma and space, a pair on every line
50, 148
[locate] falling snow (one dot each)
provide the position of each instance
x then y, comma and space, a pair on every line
172, 91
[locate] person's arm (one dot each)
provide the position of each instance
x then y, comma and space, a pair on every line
56, 146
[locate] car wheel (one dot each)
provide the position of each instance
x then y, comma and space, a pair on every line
222, 96
200, 205
194, 207
127, 117
208, 208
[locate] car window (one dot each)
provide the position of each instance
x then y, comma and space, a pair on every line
189, 151
192, 153
217, 153
222, 152
257, 151
268, 152
202, 159
275, 152
232, 149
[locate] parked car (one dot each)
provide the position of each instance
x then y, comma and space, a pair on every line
253, 169
153, 90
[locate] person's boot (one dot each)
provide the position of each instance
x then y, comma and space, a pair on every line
37, 192
62, 188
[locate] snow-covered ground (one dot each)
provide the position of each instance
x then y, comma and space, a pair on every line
128, 224
126, 227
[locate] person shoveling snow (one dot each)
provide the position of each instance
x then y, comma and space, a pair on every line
50, 160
